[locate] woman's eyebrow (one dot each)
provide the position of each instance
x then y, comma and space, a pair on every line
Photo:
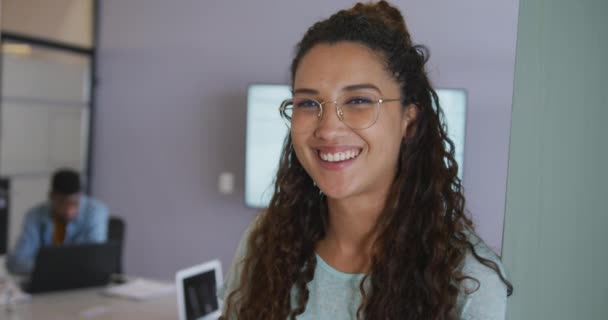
360, 86
352, 87
306, 91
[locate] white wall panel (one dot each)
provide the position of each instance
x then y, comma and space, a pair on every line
44, 77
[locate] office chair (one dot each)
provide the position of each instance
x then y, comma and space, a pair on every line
116, 233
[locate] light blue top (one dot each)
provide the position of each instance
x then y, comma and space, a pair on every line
89, 226
334, 295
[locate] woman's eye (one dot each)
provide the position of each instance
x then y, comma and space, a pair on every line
306, 104
358, 100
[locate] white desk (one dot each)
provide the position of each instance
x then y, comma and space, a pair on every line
90, 304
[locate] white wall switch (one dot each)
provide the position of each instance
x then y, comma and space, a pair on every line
226, 183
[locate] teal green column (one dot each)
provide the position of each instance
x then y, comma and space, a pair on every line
555, 243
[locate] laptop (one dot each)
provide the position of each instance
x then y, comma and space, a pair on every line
73, 266
197, 291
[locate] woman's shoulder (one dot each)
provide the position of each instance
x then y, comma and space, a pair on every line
233, 277
484, 293
472, 265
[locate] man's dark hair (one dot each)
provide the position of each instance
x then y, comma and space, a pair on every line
66, 181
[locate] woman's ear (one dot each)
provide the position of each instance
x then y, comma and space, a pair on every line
409, 118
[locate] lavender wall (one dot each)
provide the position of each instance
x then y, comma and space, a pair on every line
171, 110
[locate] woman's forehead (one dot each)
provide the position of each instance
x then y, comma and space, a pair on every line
340, 65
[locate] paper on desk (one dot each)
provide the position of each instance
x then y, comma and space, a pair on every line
140, 289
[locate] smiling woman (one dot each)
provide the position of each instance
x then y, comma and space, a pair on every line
367, 218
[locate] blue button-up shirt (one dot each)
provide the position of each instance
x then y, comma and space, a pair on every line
89, 226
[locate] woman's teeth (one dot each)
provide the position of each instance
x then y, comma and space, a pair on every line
339, 156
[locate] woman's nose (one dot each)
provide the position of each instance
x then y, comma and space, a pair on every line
329, 124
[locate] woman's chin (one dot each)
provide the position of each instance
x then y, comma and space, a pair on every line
336, 192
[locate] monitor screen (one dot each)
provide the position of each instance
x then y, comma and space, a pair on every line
266, 132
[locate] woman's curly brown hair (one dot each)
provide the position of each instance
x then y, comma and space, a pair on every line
422, 238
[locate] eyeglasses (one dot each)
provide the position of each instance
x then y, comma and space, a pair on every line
357, 112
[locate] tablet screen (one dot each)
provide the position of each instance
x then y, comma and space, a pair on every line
197, 291
200, 295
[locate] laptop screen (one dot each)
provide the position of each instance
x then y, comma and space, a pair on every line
73, 266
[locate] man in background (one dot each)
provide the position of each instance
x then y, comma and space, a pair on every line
67, 217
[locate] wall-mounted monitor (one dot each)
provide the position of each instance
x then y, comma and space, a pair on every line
266, 133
